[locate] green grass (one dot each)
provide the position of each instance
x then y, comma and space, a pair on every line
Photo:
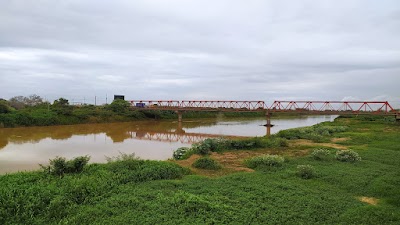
220, 145
132, 191
206, 163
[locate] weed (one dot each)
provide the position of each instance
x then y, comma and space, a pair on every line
316, 133
206, 163
347, 156
60, 166
265, 161
305, 171
122, 157
321, 154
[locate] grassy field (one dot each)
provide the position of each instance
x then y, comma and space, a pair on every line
132, 191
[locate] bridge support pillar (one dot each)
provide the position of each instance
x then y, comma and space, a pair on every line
268, 125
179, 116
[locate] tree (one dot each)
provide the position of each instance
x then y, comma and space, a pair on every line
19, 102
5, 107
119, 106
33, 100
61, 102
61, 106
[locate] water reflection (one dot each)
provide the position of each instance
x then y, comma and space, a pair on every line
25, 148
170, 131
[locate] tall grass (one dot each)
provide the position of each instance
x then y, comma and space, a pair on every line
317, 133
218, 145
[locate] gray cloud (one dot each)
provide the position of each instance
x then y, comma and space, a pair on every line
201, 49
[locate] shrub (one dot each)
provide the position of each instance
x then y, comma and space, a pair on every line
265, 161
119, 106
122, 157
210, 145
347, 156
305, 171
206, 163
60, 166
320, 154
77, 164
5, 107
316, 133
180, 152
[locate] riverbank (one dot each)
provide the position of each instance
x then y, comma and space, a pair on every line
117, 111
150, 192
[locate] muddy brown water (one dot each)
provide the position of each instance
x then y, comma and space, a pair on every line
26, 147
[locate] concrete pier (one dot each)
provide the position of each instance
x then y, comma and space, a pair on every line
268, 125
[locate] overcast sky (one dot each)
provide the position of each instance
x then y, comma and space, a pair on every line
200, 50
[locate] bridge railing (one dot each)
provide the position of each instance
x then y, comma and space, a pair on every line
238, 105
335, 106
354, 107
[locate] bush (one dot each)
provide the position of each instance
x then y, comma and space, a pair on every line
320, 154
119, 106
305, 171
316, 133
206, 163
347, 156
180, 152
60, 166
122, 157
210, 145
265, 161
5, 107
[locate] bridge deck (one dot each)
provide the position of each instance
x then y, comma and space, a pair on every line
303, 107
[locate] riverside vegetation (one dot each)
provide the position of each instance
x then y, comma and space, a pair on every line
33, 111
322, 185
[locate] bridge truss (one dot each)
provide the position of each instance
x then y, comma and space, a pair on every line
312, 107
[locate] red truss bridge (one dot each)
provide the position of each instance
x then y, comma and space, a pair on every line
312, 107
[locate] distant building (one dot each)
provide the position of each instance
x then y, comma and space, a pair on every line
119, 97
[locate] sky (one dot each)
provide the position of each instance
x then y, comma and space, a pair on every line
201, 49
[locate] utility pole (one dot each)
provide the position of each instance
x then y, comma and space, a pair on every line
106, 99
95, 100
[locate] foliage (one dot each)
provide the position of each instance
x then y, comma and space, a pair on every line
180, 152
265, 161
316, 133
305, 171
347, 156
122, 157
321, 154
220, 144
119, 106
60, 166
62, 107
61, 102
5, 107
208, 145
206, 163
20, 102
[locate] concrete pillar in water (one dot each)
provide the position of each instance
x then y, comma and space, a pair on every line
268, 124
180, 129
179, 115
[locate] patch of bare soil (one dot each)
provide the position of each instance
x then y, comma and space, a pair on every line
369, 200
339, 139
233, 161
301, 142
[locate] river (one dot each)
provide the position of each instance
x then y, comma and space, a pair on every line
25, 148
